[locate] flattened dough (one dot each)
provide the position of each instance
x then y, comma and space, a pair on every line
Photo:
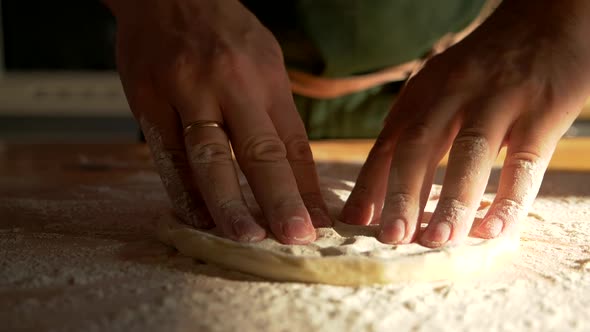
342, 255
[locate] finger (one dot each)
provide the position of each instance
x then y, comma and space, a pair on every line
211, 160
470, 162
263, 158
209, 153
365, 203
412, 170
291, 130
530, 147
163, 132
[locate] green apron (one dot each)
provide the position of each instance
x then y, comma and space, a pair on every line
336, 38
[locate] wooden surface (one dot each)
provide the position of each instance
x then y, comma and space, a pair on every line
77, 253
572, 154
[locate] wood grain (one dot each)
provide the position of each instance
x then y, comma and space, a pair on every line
572, 154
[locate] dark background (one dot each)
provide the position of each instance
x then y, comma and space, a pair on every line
58, 35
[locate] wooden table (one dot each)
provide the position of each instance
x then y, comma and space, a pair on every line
77, 253
571, 154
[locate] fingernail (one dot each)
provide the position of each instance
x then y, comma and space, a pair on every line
296, 228
247, 230
393, 232
320, 218
491, 227
351, 215
437, 235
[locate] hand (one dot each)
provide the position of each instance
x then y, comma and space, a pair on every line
519, 80
183, 61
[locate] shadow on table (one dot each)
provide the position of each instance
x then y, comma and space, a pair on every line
159, 255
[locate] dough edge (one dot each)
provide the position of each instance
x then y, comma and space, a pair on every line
450, 263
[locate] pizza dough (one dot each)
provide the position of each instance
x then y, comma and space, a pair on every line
342, 255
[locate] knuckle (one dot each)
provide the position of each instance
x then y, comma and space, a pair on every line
273, 48
225, 56
210, 153
181, 59
272, 54
172, 158
502, 78
298, 149
461, 75
508, 209
263, 56
231, 205
452, 210
230, 62
417, 134
264, 43
538, 88
527, 160
276, 77
383, 146
472, 142
524, 175
264, 148
401, 200
510, 203
180, 63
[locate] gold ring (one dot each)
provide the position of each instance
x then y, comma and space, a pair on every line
202, 124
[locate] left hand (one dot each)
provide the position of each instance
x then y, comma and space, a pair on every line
519, 80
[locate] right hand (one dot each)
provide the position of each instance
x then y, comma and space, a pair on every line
182, 61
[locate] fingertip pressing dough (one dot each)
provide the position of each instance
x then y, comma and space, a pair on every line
343, 255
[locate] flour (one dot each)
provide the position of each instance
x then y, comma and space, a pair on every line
99, 271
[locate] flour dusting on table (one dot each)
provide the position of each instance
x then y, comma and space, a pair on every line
70, 267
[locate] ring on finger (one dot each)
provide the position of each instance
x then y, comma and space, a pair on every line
202, 124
